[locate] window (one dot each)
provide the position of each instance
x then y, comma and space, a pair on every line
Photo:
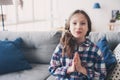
34, 15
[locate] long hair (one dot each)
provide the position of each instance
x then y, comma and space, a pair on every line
67, 40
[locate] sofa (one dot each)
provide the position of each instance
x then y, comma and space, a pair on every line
37, 48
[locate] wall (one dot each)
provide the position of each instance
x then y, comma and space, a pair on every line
100, 17
46, 14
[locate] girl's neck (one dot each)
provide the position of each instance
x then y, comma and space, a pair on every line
80, 40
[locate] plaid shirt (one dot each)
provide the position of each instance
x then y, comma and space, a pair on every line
91, 58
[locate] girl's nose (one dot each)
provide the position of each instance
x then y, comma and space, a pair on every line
79, 25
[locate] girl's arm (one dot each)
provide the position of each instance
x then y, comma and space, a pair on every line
99, 71
56, 67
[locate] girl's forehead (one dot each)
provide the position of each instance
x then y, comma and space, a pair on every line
78, 16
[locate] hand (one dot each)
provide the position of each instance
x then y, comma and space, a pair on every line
71, 68
78, 66
77, 62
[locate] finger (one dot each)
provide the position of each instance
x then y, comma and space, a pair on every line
76, 54
74, 61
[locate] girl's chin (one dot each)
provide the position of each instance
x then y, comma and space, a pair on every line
77, 36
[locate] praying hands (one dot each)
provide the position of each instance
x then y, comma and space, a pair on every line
76, 65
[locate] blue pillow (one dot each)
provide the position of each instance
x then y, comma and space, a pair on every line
109, 57
11, 57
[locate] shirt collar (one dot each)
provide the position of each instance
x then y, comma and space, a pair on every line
86, 43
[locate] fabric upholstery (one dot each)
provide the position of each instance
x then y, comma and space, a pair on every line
11, 57
34, 52
116, 72
37, 46
113, 38
51, 78
108, 55
38, 72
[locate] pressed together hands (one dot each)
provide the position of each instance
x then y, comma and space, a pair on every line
76, 65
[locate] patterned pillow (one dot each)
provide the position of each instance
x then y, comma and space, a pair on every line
115, 75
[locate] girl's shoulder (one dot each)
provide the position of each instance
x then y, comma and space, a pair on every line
58, 49
88, 41
93, 46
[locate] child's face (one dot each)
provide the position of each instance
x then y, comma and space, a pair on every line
78, 26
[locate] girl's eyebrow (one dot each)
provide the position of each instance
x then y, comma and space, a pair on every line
83, 20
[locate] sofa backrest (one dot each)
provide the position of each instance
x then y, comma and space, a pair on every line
113, 38
37, 46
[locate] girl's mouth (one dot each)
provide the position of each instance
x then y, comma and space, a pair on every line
78, 32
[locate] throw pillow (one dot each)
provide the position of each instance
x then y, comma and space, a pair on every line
11, 57
108, 55
115, 75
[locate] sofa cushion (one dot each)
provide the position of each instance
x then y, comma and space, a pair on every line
116, 72
38, 72
109, 57
41, 46
38, 46
113, 38
11, 57
51, 77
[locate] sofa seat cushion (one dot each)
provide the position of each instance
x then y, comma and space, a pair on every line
38, 72
51, 77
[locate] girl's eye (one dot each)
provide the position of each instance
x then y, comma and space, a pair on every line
83, 23
74, 23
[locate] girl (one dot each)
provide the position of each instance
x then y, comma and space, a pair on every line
76, 57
